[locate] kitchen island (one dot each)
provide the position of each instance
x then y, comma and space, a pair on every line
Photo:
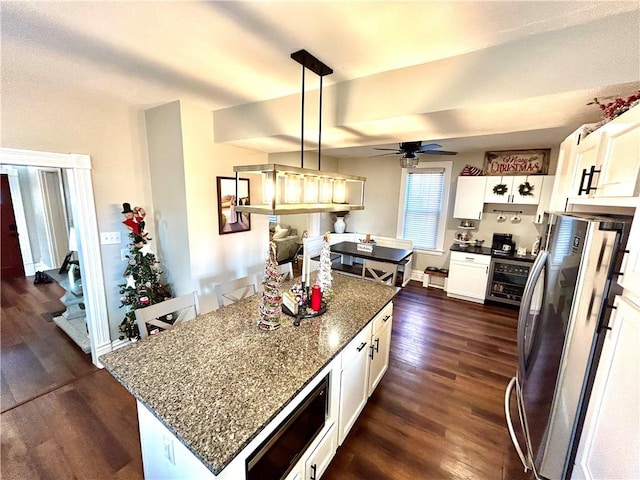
218, 384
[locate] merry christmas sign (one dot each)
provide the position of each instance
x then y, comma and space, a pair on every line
517, 162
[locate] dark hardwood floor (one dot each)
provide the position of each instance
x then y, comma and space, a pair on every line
437, 413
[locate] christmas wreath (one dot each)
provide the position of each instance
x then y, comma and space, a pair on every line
525, 189
500, 189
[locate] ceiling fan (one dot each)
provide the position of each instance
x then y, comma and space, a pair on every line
411, 150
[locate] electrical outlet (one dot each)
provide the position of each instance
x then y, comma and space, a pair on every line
109, 238
167, 447
123, 254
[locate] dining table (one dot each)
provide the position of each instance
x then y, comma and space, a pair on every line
349, 250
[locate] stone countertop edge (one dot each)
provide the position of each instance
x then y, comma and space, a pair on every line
487, 251
218, 380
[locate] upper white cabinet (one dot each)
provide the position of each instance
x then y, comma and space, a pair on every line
603, 168
520, 189
620, 159
470, 197
565, 170
544, 205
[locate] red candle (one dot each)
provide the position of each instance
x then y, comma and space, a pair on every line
316, 298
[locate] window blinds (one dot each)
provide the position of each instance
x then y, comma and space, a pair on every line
422, 207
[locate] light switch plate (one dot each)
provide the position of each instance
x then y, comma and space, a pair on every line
109, 238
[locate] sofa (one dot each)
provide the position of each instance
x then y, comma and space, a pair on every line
286, 240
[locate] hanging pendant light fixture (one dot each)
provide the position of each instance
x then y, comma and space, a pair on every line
290, 190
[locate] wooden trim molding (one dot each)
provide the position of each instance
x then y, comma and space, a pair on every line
78, 170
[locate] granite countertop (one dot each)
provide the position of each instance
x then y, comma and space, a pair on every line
470, 249
487, 251
217, 380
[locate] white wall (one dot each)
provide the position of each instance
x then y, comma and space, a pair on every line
184, 165
36, 117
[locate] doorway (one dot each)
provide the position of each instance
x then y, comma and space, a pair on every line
77, 171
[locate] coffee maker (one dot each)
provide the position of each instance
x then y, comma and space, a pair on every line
502, 244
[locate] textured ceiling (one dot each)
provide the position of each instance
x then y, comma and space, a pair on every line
223, 54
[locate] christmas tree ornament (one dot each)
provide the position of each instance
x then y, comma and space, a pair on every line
271, 305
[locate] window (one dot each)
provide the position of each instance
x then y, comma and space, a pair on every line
423, 206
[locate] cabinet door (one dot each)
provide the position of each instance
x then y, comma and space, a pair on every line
630, 278
492, 197
469, 198
620, 164
535, 181
586, 158
610, 442
318, 460
565, 172
354, 381
468, 274
379, 353
548, 182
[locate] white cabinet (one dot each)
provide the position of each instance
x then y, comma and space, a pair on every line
380, 346
565, 170
507, 189
586, 161
607, 162
545, 197
354, 381
468, 276
620, 159
630, 278
610, 442
469, 197
319, 459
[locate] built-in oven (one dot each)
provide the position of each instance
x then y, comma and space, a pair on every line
278, 454
507, 278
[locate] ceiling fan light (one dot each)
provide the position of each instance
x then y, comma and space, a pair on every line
409, 160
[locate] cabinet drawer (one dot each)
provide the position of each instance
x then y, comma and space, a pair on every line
383, 317
357, 346
473, 258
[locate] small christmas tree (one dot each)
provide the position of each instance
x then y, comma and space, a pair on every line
144, 286
325, 278
271, 307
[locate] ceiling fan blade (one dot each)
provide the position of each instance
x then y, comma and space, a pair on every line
429, 146
438, 152
392, 149
385, 154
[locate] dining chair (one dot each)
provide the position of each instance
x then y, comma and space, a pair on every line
234, 290
381, 272
182, 308
312, 248
286, 270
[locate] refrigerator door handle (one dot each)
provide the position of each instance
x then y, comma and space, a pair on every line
512, 433
525, 304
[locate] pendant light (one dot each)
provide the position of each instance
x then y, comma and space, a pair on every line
291, 190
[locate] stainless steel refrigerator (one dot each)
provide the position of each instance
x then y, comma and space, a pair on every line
563, 316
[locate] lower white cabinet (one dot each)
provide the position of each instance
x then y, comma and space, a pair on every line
630, 278
319, 459
610, 442
380, 346
468, 276
354, 381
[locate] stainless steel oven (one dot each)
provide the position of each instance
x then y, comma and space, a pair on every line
507, 278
